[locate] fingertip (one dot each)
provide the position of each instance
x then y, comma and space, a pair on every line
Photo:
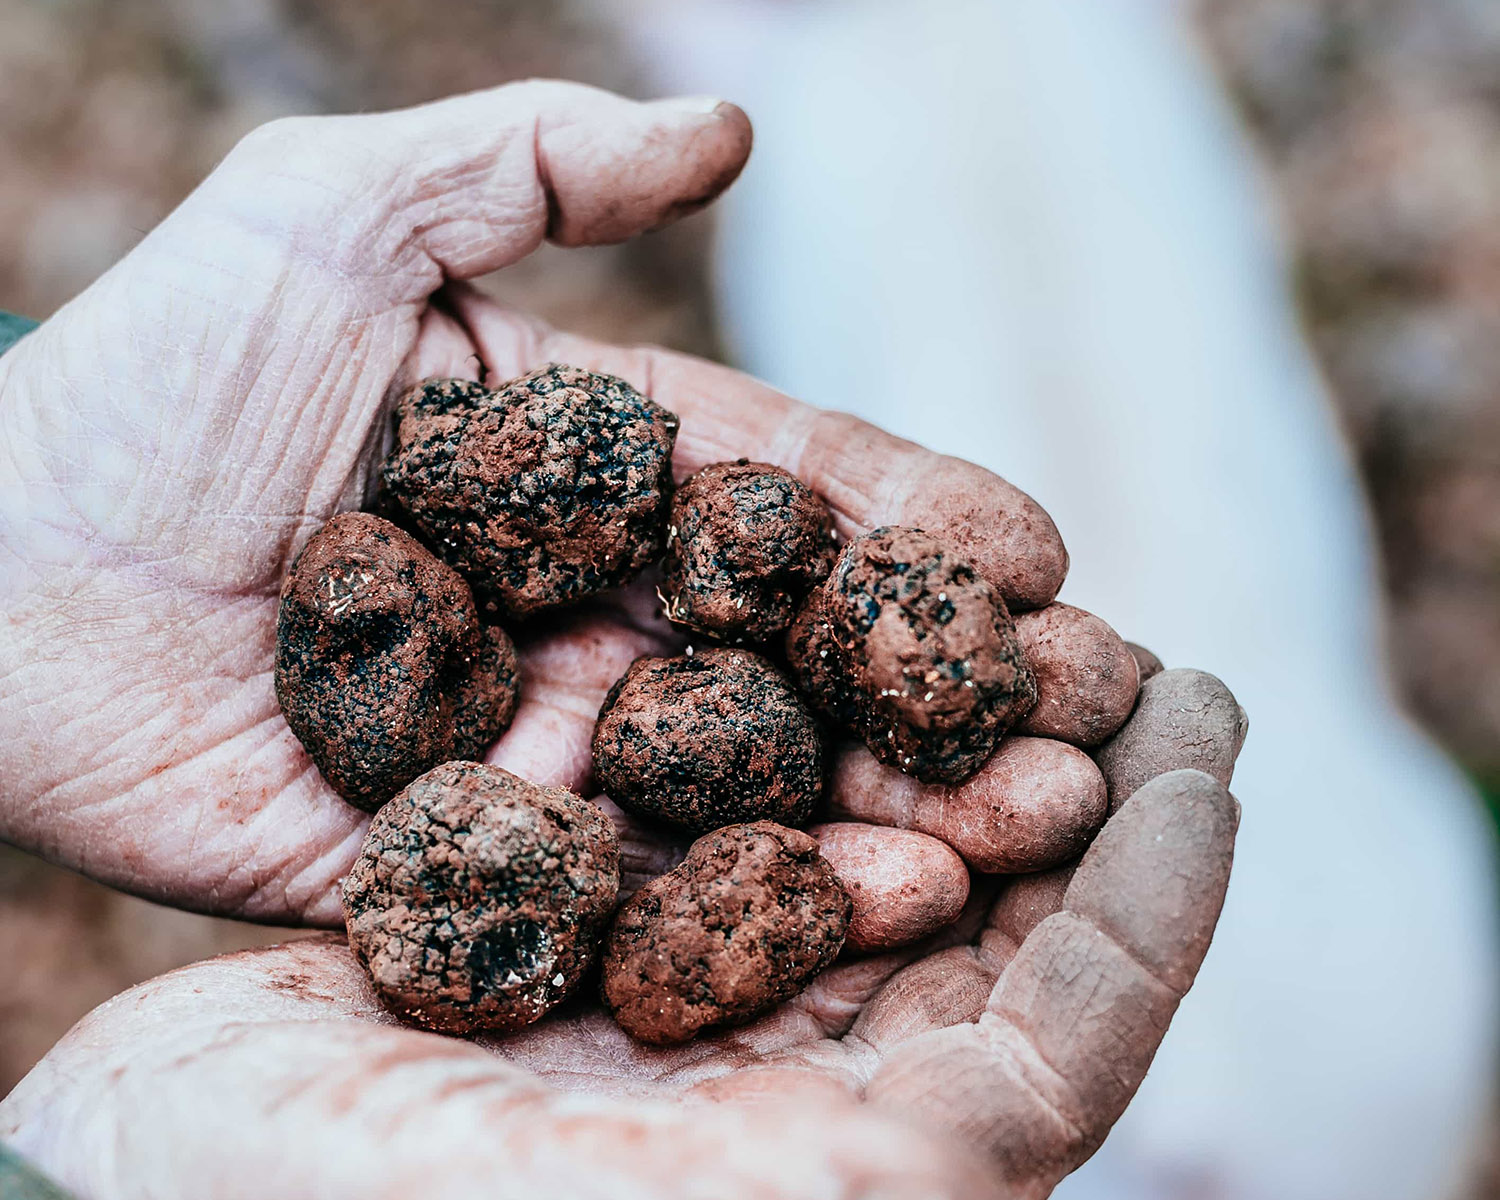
1156, 875
662, 161
904, 885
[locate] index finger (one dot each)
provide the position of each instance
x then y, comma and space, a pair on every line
868, 477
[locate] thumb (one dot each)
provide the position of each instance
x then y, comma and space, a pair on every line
469, 184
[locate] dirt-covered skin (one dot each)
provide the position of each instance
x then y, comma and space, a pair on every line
712, 738
904, 886
541, 492
1184, 719
478, 898
746, 542
909, 648
383, 668
744, 923
1086, 676
1149, 665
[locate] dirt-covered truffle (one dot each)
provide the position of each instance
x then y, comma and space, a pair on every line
909, 648
478, 899
746, 542
383, 668
541, 492
744, 923
707, 739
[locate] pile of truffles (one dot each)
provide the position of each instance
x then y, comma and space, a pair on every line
858, 685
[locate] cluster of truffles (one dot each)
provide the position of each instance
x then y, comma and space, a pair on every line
481, 900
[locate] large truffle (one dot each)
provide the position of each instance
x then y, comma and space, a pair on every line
746, 542
745, 922
478, 899
542, 492
910, 649
709, 739
383, 668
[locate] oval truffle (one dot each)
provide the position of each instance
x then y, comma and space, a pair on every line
478, 899
383, 668
708, 739
1086, 675
744, 923
745, 544
910, 649
541, 492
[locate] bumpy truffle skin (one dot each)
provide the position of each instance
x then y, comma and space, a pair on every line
909, 648
747, 541
382, 666
542, 492
478, 899
747, 920
709, 739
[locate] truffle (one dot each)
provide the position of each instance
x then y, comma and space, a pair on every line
383, 668
909, 648
478, 899
746, 542
744, 923
709, 739
541, 492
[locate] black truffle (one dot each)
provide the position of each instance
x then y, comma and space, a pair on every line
479, 899
383, 668
709, 739
909, 648
541, 492
746, 543
750, 917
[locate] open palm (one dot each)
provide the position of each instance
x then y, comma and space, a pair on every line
170, 441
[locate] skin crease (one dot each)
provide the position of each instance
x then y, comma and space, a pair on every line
232, 376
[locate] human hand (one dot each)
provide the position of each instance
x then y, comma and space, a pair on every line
275, 1072
175, 435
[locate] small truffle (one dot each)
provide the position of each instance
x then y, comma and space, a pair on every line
541, 492
909, 648
746, 542
478, 899
747, 920
383, 668
709, 739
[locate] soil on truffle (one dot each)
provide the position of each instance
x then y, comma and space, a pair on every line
541, 492
479, 899
383, 668
747, 541
751, 915
909, 648
708, 739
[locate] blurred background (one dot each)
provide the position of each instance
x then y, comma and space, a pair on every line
1252, 247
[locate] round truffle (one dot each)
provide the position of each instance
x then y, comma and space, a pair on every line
910, 649
744, 923
709, 739
541, 492
478, 899
383, 668
746, 543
